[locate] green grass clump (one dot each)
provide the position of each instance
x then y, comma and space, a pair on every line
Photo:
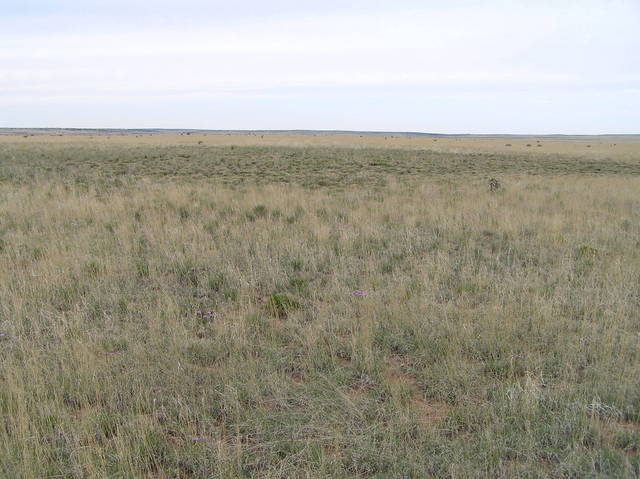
280, 305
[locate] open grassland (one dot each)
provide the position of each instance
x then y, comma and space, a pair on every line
195, 311
309, 166
599, 147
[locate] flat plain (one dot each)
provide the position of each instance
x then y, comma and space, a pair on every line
606, 146
312, 305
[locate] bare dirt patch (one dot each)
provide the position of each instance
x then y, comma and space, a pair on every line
430, 412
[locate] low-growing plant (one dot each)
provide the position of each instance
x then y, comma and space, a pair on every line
281, 305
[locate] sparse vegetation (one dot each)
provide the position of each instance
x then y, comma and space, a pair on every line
311, 167
284, 312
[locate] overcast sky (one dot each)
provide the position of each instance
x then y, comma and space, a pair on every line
447, 66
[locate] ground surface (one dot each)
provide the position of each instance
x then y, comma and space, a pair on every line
612, 146
184, 309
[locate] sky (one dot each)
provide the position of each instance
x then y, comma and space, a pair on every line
493, 66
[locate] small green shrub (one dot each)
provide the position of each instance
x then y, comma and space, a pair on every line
281, 305
183, 212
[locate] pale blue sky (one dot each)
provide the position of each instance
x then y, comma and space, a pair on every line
449, 67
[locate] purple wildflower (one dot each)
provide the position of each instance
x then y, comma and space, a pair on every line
199, 438
206, 315
359, 292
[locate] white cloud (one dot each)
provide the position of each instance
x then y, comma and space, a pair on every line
485, 47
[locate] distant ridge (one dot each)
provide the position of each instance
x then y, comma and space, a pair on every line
174, 131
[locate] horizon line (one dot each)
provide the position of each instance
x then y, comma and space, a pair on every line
44, 130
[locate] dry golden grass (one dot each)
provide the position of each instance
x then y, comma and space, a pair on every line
497, 334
